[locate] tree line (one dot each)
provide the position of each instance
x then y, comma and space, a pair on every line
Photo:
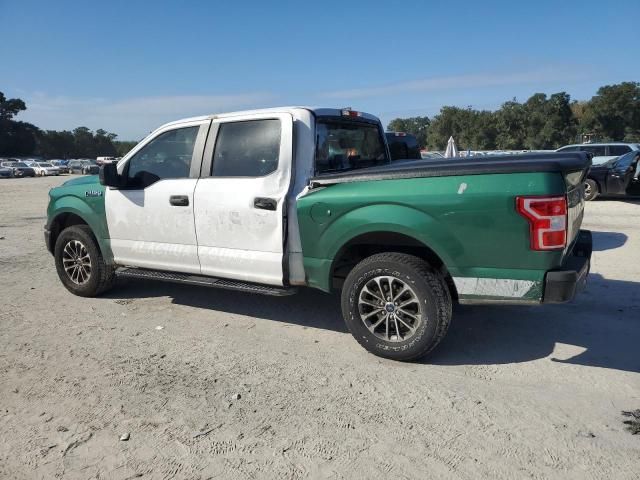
542, 122
18, 139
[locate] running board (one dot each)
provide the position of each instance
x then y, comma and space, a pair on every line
189, 279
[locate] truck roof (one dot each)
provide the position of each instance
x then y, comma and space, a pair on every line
320, 111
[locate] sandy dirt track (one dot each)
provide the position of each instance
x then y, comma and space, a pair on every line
244, 386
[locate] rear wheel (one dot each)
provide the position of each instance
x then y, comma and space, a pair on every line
80, 264
396, 306
591, 189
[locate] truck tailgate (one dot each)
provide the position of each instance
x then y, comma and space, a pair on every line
574, 180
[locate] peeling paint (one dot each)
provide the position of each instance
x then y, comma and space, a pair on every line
494, 287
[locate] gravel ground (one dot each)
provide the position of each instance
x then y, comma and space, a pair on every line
214, 384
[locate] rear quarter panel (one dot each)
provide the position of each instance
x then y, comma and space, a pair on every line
470, 222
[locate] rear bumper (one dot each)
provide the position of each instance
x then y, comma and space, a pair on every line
563, 284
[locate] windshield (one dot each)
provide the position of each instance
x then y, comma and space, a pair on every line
20, 164
347, 145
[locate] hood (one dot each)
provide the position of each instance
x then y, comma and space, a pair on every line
84, 180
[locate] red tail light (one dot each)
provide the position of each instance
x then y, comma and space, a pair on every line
347, 112
547, 221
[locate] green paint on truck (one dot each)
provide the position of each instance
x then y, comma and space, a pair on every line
469, 222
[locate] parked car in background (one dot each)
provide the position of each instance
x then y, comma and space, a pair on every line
49, 168
83, 167
104, 160
431, 155
6, 172
602, 152
617, 177
40, 171
61, 164
20, 169
403, 146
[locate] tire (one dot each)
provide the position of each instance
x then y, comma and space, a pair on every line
429, 315
78, 240
591, 189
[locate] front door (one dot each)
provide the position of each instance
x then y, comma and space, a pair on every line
239, 200
150, 221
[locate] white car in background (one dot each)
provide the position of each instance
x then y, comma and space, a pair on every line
49, 169
40, 171
602, 152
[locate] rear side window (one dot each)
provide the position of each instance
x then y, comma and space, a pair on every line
595, 150
247, 149
619, 149
347, 145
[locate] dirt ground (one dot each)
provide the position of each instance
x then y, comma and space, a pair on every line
237, 385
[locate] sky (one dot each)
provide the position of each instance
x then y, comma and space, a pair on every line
130, 66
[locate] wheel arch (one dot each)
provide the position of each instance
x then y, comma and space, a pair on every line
596, 181
61, 221
380, 241
67, 214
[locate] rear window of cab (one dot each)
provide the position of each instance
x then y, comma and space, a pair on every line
343, 145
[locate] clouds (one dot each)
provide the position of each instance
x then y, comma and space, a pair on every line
130, 118
133, 118
460, 82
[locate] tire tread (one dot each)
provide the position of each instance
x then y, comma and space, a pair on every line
435, 282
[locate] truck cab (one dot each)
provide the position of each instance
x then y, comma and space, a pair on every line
216, 195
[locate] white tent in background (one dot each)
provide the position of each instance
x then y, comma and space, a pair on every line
451, 150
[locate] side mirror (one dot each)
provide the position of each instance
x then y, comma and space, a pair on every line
109, 175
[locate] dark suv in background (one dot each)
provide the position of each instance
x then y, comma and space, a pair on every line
403, 146
20, 169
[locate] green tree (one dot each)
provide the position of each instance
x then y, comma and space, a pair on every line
549, 122
614, 112
54, 144
418, 126
123, 147
471, 129
104, 146
16, 138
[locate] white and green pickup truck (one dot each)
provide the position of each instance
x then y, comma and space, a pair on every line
268, 201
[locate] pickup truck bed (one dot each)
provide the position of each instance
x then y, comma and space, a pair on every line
525, 163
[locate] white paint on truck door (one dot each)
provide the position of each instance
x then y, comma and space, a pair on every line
147, 231
239, 203
151, 222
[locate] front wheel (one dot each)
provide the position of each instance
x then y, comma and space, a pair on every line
80, 264
396, 306
591, 189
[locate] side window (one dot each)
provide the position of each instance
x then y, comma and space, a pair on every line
166, 156
618, 150
247, 149
595, 150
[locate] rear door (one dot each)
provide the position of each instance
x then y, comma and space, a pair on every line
239, 200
